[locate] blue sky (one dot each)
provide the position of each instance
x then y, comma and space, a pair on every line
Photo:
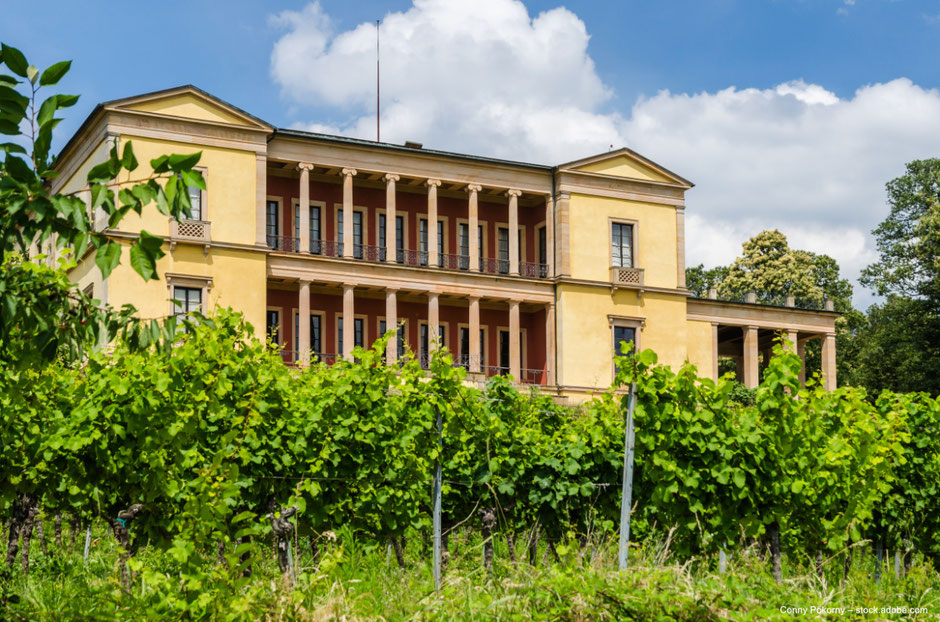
786, 113
124, 48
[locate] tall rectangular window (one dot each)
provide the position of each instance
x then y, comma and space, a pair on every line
357, 235
480, 246
186, 300
463, 235
543, 247
623, 334
272, 227
464, 347
426, 344
621, 241
502, 248
400, 238
315, 343
339, 234
315, 230
195, 202
358, 333
423, 241
440, 243
273, 325
400, 338
381, 240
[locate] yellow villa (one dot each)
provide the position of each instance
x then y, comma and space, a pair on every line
522, 269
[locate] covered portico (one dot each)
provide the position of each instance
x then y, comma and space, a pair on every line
745, 332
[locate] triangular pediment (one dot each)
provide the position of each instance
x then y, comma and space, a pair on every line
189, 102
627, 164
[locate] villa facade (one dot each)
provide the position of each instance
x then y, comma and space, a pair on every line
324, 242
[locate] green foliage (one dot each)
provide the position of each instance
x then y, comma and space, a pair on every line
909, 239
43, 315
771, 269
699, 280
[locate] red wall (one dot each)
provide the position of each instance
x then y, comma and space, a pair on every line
413, 313
406, 202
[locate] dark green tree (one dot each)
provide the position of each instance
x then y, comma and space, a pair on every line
900, 342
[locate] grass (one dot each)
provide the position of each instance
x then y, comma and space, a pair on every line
356, 580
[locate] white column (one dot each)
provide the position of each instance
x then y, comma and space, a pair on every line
432, 221
715, 352
473, 225
348, 174
515, 366
562, 237
261, 199
514, 231
793, 337
349, 314
829, 361
304, 206
680, 246
391, 323
751, 371
550, 235
391, 241
550, 343
475, 335
303, 323
801, 352
434, 321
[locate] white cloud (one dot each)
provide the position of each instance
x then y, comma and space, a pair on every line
488, 78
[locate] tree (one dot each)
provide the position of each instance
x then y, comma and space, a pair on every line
771, 269
699, 279
44, 317
43, 314
909, 238
900, 343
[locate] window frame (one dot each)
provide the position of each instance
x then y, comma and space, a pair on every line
203, 197
522, 352
623, 321
634, 250
277, 220
296, 333
403, 323
189, 281
280, 324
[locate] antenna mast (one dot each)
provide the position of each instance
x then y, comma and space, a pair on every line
378, 127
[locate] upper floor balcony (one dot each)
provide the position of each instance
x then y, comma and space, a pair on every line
385, 218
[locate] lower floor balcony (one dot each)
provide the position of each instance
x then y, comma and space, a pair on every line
487, 337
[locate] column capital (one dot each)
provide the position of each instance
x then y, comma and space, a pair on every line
303, 282
391, 177
513, 192
432, 182
474, 187
348, 286
680, 209
563, 195
305, 166
349, 172
391, 290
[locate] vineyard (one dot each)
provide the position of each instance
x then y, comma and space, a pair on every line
207, 460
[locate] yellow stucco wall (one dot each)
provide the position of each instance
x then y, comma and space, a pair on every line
230, 189
239, 281
623, 166
585, 337
699, 346
189, 107
589, 238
